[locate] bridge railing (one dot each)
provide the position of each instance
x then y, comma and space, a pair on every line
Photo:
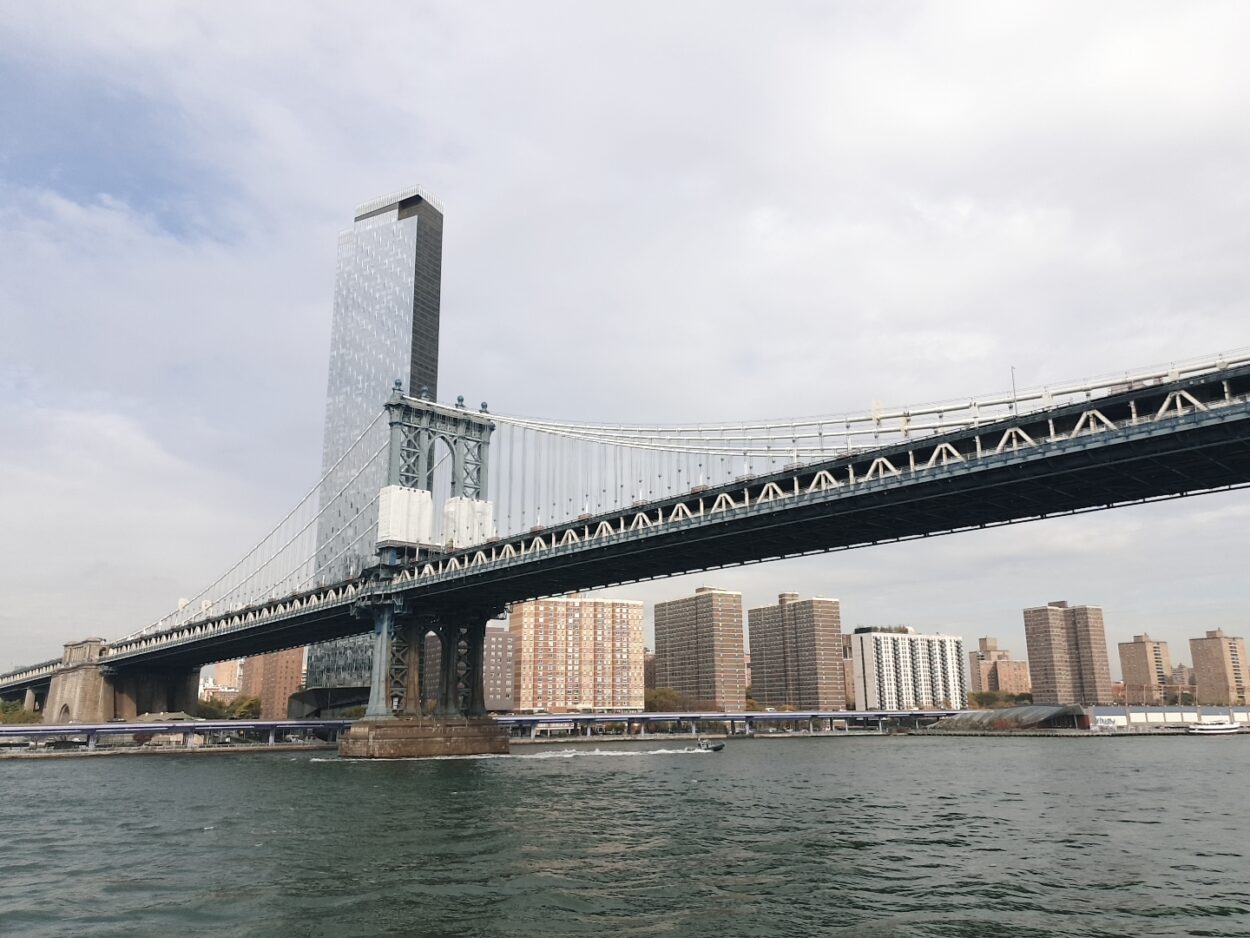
30, 672
270, 611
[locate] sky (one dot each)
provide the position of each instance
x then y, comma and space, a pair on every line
655, 212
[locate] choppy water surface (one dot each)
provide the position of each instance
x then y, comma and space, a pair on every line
888, 836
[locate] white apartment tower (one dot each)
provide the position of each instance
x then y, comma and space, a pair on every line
896, 669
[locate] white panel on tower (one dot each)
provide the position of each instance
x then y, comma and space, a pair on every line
468, 521
405, 516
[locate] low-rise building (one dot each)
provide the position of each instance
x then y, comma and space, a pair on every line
992, 669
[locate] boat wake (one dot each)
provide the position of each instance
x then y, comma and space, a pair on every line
549, 754
571, 753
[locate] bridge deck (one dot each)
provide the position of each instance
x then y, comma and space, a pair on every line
1165, 440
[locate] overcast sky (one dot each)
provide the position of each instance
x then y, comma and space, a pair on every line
696, 211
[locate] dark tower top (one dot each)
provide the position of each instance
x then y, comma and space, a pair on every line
427, 286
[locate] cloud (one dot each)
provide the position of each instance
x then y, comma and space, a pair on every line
105, 528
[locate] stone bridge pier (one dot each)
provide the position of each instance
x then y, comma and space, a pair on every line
31, 698
86, 691
154, 691
395, 725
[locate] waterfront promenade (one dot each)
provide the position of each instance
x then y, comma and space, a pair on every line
287, 735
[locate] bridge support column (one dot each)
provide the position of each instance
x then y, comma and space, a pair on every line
133, 693
449, 683
414, 665
28, 701
184, 691
379, 688
459, 726
475, 674
79, 692
125, 697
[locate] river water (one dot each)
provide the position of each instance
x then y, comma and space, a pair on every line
904, 836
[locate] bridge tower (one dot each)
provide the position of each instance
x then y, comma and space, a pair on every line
395, 722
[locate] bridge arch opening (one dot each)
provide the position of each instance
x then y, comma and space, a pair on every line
63, 715
442, 459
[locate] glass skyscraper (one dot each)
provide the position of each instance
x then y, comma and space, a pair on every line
386, 315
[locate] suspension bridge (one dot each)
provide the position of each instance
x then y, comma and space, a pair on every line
532, 508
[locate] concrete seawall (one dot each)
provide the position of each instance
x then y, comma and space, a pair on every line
162, 750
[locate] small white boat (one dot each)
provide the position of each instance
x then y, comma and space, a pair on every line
705, 746
1213, 728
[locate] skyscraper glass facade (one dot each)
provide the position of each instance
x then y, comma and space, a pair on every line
385, 327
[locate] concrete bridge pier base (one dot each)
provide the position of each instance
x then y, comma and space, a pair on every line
125, 697
379, 707
459, 728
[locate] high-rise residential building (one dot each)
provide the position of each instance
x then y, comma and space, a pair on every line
648, 669
848, 671
574, 653
992, 669
273, 678
796, 654
387, 287
698, 648
1147, 669
1220, 669
897, 669
1067, 648
498, 668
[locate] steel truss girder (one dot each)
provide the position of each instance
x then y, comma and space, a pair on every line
398, 683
